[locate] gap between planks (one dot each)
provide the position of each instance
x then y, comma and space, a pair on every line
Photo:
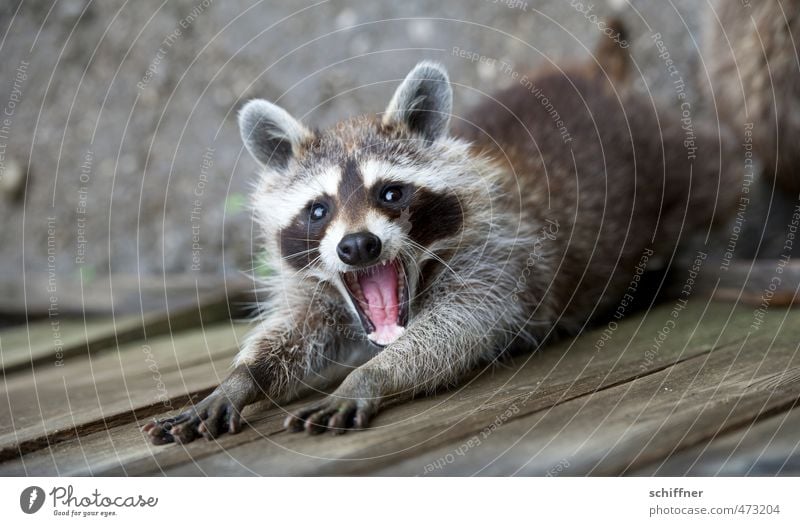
50, 404
35, 343
411, 430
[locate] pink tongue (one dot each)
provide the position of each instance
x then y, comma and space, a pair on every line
380, 290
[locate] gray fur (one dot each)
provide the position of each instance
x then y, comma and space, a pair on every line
271, 135
550, 236
754, 71
423, 102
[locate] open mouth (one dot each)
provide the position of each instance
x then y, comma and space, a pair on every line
380, 294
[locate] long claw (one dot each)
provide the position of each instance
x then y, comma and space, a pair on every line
332, 414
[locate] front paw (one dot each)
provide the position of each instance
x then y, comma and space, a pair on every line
213, 416
333, 413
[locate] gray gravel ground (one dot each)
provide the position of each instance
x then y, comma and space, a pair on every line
123, 113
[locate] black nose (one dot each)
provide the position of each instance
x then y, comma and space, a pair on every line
361, 248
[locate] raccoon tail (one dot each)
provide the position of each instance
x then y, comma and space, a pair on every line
612, 51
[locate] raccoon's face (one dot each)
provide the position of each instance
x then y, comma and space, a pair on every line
366, 204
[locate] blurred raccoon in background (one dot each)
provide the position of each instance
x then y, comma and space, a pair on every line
755, 73
751, 50
755, 82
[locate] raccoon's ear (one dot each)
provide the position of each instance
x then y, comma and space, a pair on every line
270, 134
423, 102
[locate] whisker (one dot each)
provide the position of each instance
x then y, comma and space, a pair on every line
313, 261
308, 240
440, 260
299, 254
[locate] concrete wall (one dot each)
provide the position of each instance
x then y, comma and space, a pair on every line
123, 113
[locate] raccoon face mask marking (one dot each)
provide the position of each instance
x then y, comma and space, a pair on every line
362, 205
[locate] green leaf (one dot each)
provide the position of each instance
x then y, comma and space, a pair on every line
235, 203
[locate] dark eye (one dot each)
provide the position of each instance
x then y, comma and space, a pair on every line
392, 194
318, 211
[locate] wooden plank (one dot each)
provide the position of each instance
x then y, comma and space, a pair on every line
35, 340
120, 293
46, 341
768, 447
563, 372
746, 282
49, 403
109, 451
61, 337
617, 430
570, 372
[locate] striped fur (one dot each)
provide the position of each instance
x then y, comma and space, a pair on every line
512, 234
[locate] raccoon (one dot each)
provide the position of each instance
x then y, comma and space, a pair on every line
751, 51
412, 254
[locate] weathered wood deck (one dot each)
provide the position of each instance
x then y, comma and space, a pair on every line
713, 397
